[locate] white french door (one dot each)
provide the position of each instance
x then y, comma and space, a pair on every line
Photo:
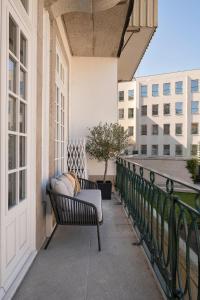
17, 148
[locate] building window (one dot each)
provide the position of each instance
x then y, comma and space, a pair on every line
179, 150
179, 129
166, 109
143, 90
155, 110
130, 130
154, 129
121, 113
130, 113
194, 85
144, 129
166, 89
154, 149
194, 107
144, 110
155, 90
17, 133
195, 128
179, 87
179, 108
166, 129
194, 149
121, 95
143, 149
166, 149
130, 94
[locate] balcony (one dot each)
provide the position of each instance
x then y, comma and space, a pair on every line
72, 268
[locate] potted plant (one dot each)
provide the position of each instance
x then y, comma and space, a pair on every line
105, 142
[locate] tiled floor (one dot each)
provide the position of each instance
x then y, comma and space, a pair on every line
73, 269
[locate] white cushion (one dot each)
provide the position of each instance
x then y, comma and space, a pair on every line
59, 187
94, 197
68, 185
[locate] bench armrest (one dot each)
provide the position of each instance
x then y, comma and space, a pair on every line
87, 184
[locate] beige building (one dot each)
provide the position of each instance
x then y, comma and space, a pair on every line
167, 113
60, 63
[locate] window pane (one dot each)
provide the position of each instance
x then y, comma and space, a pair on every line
143, 91
154, 109
167, 129
178, 128
179, 150
121, 95
154, 129
143, 149
194, 129
23, 84
194, 85
166, 149
144, 110
130, 94
12, 190
12, 118
22, 185
12, 75
23, 49
179, 108
166, 109
179, 87
155, 90
154, 149
195, 107
12, 147
22, 120
130, 113
121, 113
12, 36
166, 88
22, 151
130, 131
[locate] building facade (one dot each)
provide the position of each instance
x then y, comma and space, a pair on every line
167, 113
60, 62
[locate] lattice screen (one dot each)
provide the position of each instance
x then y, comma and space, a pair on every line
76, 157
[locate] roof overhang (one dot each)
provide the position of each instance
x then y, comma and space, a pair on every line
142, 25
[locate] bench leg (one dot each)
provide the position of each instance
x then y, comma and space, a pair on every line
49, 239
98, 235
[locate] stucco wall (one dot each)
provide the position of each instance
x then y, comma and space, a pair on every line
93, 99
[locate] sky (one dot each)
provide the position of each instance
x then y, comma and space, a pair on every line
176, 43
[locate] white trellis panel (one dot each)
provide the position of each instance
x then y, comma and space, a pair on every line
76, 157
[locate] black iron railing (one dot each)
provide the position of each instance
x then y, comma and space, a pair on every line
168, 227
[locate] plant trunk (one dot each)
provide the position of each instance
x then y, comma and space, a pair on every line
105, 171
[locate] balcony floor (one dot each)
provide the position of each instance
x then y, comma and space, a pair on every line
72, 268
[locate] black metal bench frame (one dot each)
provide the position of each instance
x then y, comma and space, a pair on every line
72, 211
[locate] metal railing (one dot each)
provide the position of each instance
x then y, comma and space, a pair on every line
168, 227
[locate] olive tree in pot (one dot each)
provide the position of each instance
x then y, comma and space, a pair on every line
105, 142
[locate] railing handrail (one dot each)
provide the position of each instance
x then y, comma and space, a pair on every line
164, 175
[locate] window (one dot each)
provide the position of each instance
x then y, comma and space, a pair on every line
154, 129
155, 110
194, 149
143, 149
143, 90
179, 108
130, 130
179, 87
130, 94
143, 110
154, 149
194, 107
155, 88
121, 113
166, 89
166, 109
166, 129
166, 149
179, 129
121, 95
130, 113
195, 128
17, 115
178, 150
144, 129
194, 85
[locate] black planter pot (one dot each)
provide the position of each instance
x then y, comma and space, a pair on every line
106, 189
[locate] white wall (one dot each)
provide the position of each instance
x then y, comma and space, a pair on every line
93, 98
